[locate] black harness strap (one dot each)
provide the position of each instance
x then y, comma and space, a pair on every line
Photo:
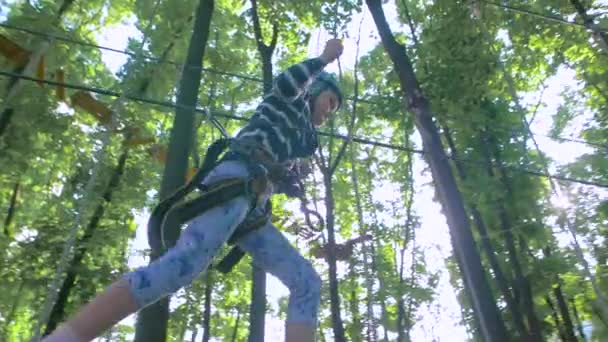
168, 213
215, 195
236, 253
155, 222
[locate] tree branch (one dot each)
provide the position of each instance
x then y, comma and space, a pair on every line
275, 36
410, 23
353, 117
257, 29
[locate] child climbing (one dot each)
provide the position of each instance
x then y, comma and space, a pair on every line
284, 128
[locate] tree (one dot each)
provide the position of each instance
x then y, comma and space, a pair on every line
464, 245
152, 320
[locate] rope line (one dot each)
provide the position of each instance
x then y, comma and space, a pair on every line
169, 104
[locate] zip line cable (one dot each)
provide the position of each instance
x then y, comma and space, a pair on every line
539, 15
225, 73
169, 104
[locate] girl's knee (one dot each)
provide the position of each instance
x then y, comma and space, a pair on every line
313, 282
305, 296
164, 276
307, 288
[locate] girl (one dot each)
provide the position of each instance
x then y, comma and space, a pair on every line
283, 125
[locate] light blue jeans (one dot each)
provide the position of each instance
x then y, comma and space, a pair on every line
207, 233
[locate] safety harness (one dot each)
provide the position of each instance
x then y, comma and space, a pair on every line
173, 211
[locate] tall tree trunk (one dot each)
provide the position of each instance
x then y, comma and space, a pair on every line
185, 323
334, 294
58, 311
598, 312
409, 321
521, 281
152, 321
5, 119
490, 321
577, 319
328, 171
257, 310
207, 312
501, 279
10, 214
600, 37
404, 316
372, 322
381, 286
565, 314
356, 326
194, 335
357, 322
236, 326
555, 315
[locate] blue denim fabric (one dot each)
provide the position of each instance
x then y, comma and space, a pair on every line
205, 235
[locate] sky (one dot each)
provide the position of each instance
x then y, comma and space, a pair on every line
433, 234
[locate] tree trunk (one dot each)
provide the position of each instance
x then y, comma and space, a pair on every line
65, 5
5, 118
490, 321
577, 319
522, 283
152, 321
334, 294
600, 37
598, 312
404, 320
328, 170
565, 314
236, 326
372, 322
555, 316
11, 210
356, 326
401, 317
182, 331
207, 312
363, 231
501, 279
58, 311
410, 302
257, 309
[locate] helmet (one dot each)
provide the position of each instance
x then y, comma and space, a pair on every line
324, 81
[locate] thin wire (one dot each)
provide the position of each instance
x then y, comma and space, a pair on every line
364, 141
156, 59
173, 105
223, 73
539, 15
503, 128
124, 52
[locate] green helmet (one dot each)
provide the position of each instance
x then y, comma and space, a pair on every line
325, 81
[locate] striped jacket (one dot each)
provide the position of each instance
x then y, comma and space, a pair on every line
282, 123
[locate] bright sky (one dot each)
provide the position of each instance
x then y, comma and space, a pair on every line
441, 319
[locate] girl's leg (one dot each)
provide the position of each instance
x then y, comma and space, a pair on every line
272, 252
192, 254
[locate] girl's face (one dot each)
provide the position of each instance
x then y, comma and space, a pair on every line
324, 104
